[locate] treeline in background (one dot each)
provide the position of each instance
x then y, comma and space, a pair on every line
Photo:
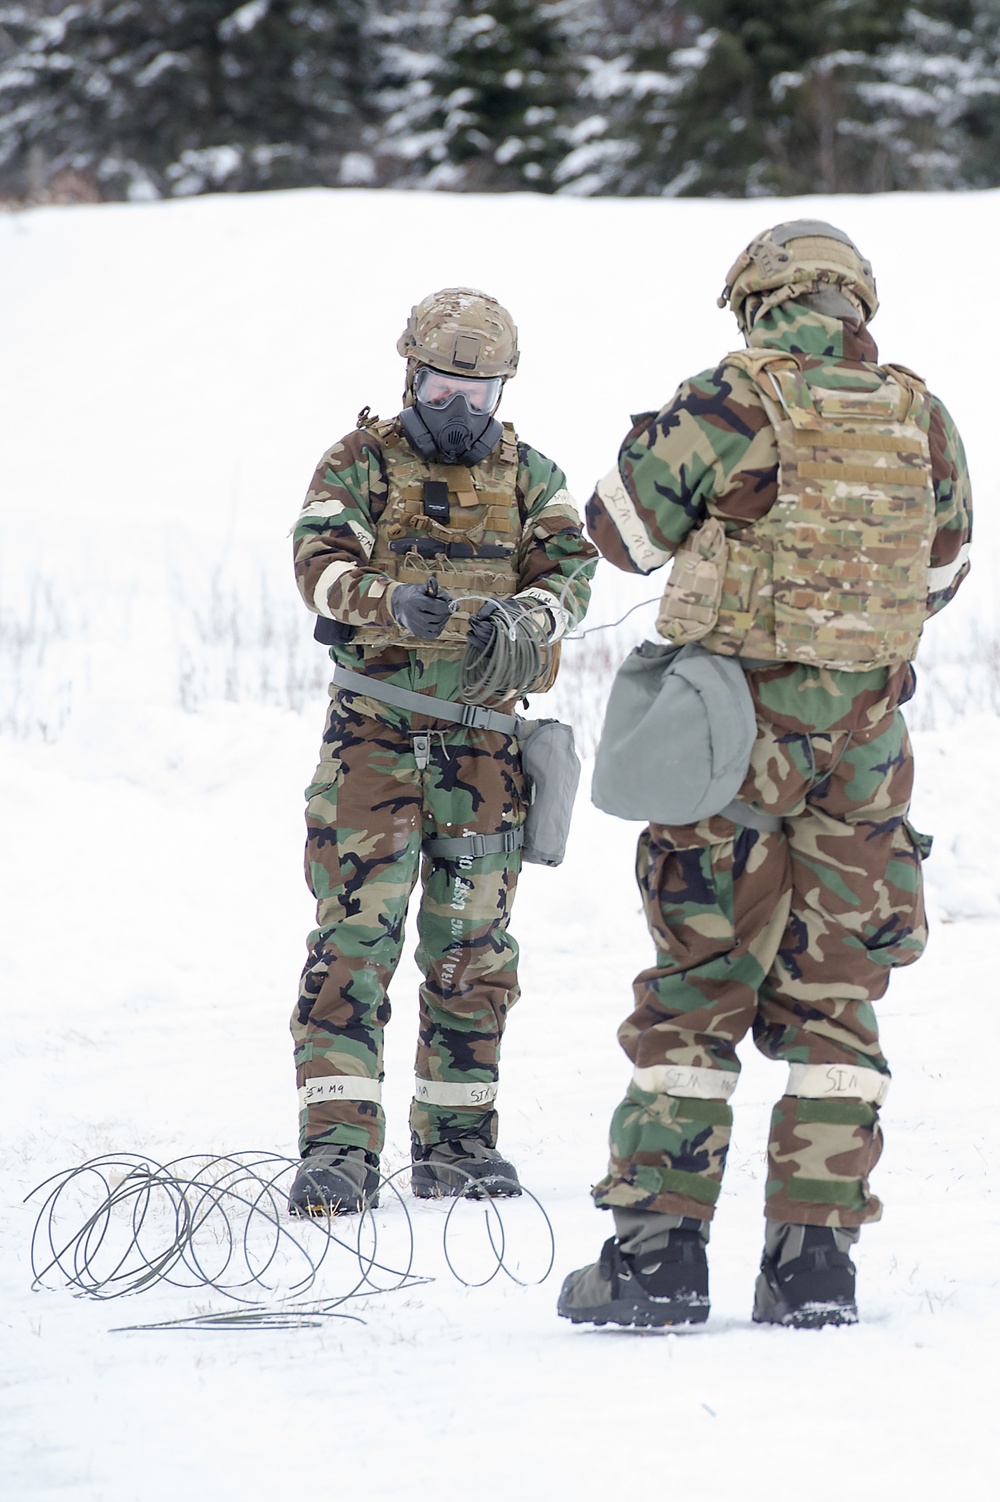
140, 99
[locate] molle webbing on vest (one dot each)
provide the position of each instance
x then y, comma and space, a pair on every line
836, 573
474, 552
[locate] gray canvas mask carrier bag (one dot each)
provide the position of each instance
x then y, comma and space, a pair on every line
678, 732
552, 768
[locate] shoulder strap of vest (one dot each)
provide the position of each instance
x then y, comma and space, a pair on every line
907, 377
780, 402
386, 430
918, 406
508, 444
753, 362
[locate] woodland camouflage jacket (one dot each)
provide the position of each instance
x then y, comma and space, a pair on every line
337, 524
711, 452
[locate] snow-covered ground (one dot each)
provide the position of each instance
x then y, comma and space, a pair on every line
170, 374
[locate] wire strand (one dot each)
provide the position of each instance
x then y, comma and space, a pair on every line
125, 1224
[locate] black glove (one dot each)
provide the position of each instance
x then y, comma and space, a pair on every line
481, 627
421, 609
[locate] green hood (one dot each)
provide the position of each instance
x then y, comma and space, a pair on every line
797, 329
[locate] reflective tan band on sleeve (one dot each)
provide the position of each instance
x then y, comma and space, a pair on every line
336, 511
453, 1093
685, 1080
560, 615
621, 509
560, 498
324, 583
837, 1082
939, 578
339, 1087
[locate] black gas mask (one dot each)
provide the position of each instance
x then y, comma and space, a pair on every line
451, 420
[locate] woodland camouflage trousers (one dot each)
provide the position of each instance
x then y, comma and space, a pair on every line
370, 807
791, 934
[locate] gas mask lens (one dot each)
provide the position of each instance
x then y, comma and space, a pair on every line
435, 388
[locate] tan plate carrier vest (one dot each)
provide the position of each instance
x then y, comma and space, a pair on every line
836, 573
484, 517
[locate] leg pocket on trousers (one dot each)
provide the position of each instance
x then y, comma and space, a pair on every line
897, 933
922, 843
322, 857
687, 896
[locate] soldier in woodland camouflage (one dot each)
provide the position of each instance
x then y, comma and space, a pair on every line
414, 531
816, 509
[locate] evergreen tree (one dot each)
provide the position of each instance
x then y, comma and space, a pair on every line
642, 56
483, 104
931, 100
710, 97
161, 97
747, 97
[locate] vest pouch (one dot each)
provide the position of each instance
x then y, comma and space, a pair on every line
678, 732
330, 633
552, 769
690, 605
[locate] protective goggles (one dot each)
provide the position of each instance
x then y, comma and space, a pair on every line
435, 388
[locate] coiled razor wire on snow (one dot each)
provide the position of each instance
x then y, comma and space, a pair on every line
123, 1224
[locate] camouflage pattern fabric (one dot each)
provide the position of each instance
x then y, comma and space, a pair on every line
792, 935
799, 257
712, 452
836, 573
369, 809
474, 553
462, 330
334, 538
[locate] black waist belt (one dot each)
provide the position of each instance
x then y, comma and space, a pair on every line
473, 716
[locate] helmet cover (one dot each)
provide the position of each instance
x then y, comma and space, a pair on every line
801, 256
461, 331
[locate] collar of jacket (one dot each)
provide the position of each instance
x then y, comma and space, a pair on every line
799, 330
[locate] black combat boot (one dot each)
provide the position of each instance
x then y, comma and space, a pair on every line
464, 1165
806, 1277
335, 1181
666, 1285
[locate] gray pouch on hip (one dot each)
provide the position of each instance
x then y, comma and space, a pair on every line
678, 732
552, 768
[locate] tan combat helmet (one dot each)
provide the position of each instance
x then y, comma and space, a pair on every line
462, 331
805, 257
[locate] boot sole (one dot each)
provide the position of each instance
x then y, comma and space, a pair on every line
809, 1317
639, 1316
315, 1209
771, 1307
429, 1186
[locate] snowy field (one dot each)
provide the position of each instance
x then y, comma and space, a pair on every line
170, 375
